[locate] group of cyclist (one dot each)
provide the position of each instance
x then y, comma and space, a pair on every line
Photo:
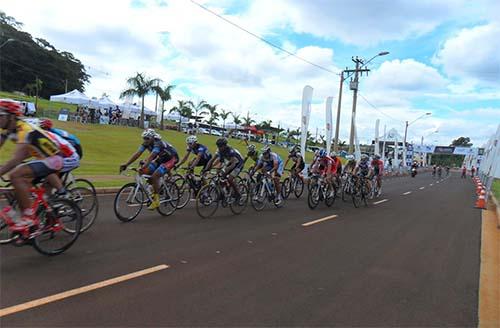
56, 151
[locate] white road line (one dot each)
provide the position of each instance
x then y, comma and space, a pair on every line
380, 201
421, 188
407, 193
73, 292
431, 184
307, 224
437, 181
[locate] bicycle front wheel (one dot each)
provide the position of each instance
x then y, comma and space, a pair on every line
128, 202
313, 196
207, 201
59, 227
286, 188
298, 187
237, 206
184, 191
331, 194
258, 196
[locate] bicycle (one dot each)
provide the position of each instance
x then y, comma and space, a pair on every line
361, 191
58, 221
219, 192
374, 189
134, 195
320, 190
189, 185
293, 183
83, 193
263, 191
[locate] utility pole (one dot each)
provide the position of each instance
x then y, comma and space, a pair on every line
36, 86
354, 86
337, 124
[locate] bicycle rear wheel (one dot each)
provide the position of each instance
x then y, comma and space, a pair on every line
169, 199
184, 191
86, 199
258, 197
356, 196
238, 206
298, 187
331, 194
128, 203
286, 188
207, 201
59, 227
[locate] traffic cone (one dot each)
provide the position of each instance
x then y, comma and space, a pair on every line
479, 187
481, 201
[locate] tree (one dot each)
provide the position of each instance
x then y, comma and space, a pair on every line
265, 125
236, 119
247, 120
213, 116
164, 94
198, 111
140, 85
183, 109
461, 142
224, 115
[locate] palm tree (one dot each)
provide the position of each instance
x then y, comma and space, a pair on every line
198, 110
213, 116
140, 85
236, 119
224, 115
164, 94
183, 109
247, 121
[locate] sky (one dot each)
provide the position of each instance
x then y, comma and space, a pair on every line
444, 57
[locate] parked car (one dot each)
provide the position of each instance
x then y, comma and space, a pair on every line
216, 133
203, 130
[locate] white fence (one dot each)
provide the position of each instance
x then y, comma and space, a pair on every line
489, 168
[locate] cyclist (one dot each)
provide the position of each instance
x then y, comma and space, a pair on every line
271, 163
47, 125
298, 162
232, 161
253, 154
161, 160
363, 168
447, 168
440, 171
378, 169
326, 167
52, 155
202, 153
350, 166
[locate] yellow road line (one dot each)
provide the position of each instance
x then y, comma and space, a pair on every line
56, 297
489, 277
307, 224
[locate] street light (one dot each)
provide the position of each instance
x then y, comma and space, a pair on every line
406, 133
422, 145
1, 46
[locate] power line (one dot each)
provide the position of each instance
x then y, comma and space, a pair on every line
264, 40
378, 110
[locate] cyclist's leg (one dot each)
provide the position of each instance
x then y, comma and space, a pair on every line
231, 176
69, 164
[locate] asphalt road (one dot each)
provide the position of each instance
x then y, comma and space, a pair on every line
412, 260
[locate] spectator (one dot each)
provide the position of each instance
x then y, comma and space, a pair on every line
472, 171
464, 172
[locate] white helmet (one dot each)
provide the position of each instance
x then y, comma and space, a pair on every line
364, 157
191, 140
350, 157
149, 133
333, 153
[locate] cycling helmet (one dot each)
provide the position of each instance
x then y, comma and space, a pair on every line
251, 148
376, 157
221, 142
191, 140
333, 153
364, 157
322, 153
350, 157
294, 149
10, 107
266, 150
149, 133
46, 124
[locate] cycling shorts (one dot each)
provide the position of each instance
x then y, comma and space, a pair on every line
162, 168
301, 166
44, 167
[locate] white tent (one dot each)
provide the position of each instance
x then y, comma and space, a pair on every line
72, 97
105, 102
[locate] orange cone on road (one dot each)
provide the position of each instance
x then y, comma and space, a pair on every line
481, 201
479, 187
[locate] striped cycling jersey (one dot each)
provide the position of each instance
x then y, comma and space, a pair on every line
162, 149
269, 162
200, 149
228, 154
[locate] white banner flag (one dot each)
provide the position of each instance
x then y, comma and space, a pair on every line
377, 146
306, 112
329, 130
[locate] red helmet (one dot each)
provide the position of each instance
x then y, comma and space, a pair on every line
46, 124
11, 107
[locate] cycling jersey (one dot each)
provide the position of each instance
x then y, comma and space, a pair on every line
75, 142
378, 166
364, 168
164, 151
268, 164
254, 156
324, 162
200, 149
228, 154
338, 165
41, 144
295, 157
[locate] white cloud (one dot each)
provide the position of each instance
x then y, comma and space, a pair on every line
473, 54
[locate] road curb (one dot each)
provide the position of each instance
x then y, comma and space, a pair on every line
102, 191
497, 206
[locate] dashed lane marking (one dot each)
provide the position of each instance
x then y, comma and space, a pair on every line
431, 184
73, 292
380, 201
421, 188
407, 193
307, 224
